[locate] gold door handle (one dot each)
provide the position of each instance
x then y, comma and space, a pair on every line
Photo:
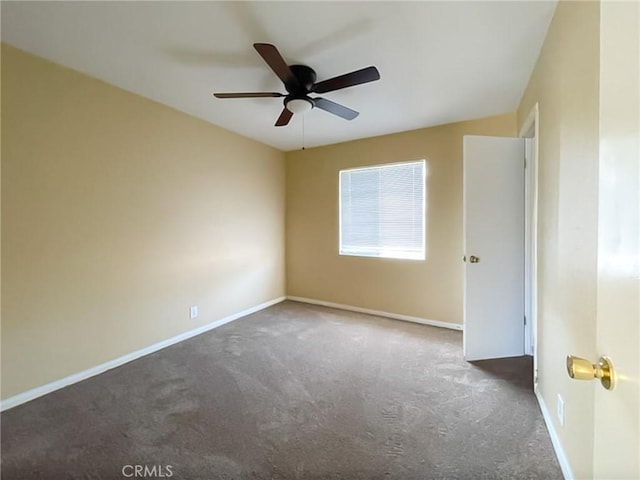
474, 259
582, 369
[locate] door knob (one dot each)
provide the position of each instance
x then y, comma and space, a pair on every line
582, 369
474, 259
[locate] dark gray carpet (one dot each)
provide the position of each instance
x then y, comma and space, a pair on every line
294, 391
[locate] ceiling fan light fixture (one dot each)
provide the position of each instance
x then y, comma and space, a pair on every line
299, 106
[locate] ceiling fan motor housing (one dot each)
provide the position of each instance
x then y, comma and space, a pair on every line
303, 82
298, 100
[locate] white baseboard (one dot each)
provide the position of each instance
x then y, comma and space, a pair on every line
395, 316
98, 369
555, 440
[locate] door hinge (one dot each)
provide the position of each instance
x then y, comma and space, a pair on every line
525, 319
525, 162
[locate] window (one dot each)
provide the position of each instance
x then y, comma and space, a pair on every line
382, 211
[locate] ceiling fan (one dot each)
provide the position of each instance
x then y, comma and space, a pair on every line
300, 81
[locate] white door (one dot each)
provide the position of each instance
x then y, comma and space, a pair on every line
617, 412
494, 247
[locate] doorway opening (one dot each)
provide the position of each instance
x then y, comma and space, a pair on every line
530, 133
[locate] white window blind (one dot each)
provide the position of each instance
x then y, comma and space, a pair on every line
382, 211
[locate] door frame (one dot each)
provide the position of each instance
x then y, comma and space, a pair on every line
530, 132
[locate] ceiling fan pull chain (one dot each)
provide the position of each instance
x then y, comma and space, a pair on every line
303, 132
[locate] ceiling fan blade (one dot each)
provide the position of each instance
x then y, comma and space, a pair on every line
364, 75
335, 108
284, 118
248, 95
272, 56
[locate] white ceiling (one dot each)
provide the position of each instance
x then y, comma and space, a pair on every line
439, 61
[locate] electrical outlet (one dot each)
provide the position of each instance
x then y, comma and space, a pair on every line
193, 312
560, 410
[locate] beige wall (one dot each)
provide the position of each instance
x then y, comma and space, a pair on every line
565, 84
117, 215
430, 289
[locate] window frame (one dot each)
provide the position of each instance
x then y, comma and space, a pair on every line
423, 256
